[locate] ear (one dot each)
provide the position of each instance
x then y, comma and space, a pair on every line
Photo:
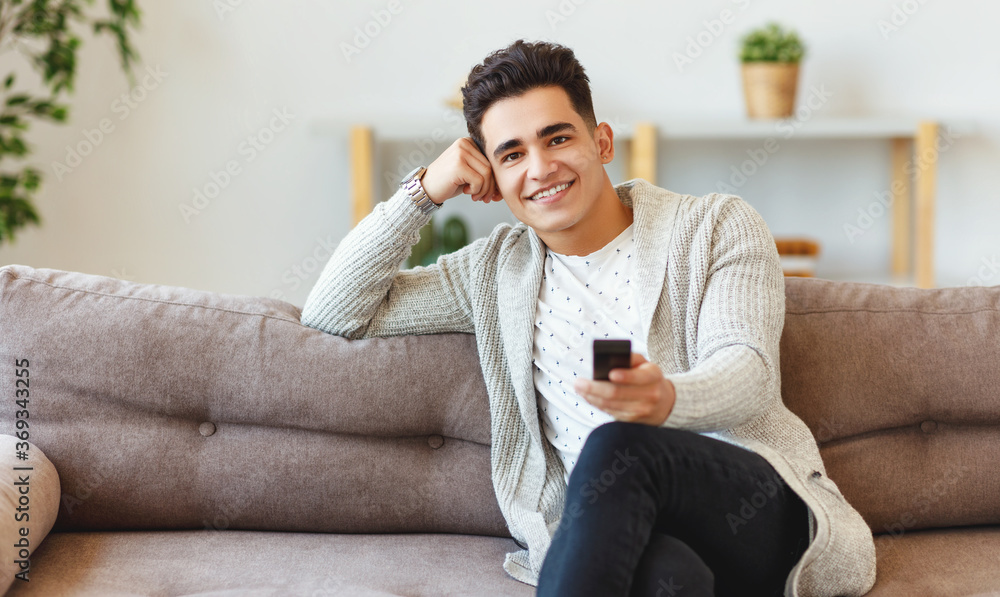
604, 137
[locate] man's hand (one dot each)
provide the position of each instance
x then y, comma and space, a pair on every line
638, 395
461, 168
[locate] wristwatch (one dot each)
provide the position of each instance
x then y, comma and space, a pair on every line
416, 192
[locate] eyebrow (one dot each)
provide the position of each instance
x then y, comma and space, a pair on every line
542, 132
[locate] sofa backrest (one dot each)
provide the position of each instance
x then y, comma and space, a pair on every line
169, 407
901, 387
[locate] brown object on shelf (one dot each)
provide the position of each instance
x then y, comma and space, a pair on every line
769, 88
801, 254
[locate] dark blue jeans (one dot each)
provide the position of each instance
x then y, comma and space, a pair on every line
659, 512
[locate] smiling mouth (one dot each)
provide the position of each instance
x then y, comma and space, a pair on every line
551, 191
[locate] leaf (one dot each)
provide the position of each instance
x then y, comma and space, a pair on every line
49, 22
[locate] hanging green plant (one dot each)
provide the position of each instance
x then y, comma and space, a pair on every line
24, 25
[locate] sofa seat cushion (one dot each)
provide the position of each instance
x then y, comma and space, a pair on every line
957, 561
259, 563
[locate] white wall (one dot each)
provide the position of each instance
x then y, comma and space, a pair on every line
117, 213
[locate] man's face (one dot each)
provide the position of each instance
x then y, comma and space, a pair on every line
536, 142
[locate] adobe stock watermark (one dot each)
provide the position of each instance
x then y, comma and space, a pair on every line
371, 29
901, 13
668, 586
93, 138
221, 179
884, 199
220, 520
223, 8
595, 486
818, 97
20, 43
564, 10
426, 149
920, 503
749, 508
121, 275
296, 275
986, 271
620, 128
711, 31
85, 487
828, 429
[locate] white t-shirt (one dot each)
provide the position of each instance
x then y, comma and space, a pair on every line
581, 298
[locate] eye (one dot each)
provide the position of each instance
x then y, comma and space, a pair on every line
564, 139
508, 157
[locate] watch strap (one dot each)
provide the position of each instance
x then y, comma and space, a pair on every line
415, 190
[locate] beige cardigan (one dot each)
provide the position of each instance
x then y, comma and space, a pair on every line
711, 294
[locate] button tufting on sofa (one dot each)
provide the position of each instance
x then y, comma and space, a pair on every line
435, 441
207, 428
928, 426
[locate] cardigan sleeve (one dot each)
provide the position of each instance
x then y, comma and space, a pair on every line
362, 292
735, 375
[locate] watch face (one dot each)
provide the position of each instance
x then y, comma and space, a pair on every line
410, 176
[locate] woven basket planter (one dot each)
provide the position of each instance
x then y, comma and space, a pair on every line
769, 88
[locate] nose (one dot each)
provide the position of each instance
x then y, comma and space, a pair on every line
540, 165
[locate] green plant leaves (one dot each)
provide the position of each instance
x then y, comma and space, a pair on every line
433, 243
771, 43
48, 21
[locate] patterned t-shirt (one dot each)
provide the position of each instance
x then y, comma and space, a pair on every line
581, 298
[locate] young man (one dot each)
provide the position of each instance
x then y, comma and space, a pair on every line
684, 474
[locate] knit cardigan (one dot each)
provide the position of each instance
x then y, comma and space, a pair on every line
711, 294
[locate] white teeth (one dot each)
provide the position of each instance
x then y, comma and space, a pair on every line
551, 191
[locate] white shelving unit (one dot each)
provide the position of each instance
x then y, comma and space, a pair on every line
912, 144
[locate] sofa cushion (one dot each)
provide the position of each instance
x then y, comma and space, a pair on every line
962, 561
899, 386
29, 501
258, 564
957, 561
168, 408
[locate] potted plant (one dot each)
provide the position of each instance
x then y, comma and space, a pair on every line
434, 242
770, 57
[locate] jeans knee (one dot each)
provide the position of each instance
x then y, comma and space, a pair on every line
670, 567
613, 434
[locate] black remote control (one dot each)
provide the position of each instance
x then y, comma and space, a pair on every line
611, 354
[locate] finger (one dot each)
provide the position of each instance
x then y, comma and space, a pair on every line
469, 146
479, 176
489, 187
476, 184
604, 390
623, 375
495, 195
480, 164
620, 407
595, 400
636, 359
644, 374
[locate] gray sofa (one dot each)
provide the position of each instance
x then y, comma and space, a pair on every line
188, 442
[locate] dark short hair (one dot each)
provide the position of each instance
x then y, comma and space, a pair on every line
517, 69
